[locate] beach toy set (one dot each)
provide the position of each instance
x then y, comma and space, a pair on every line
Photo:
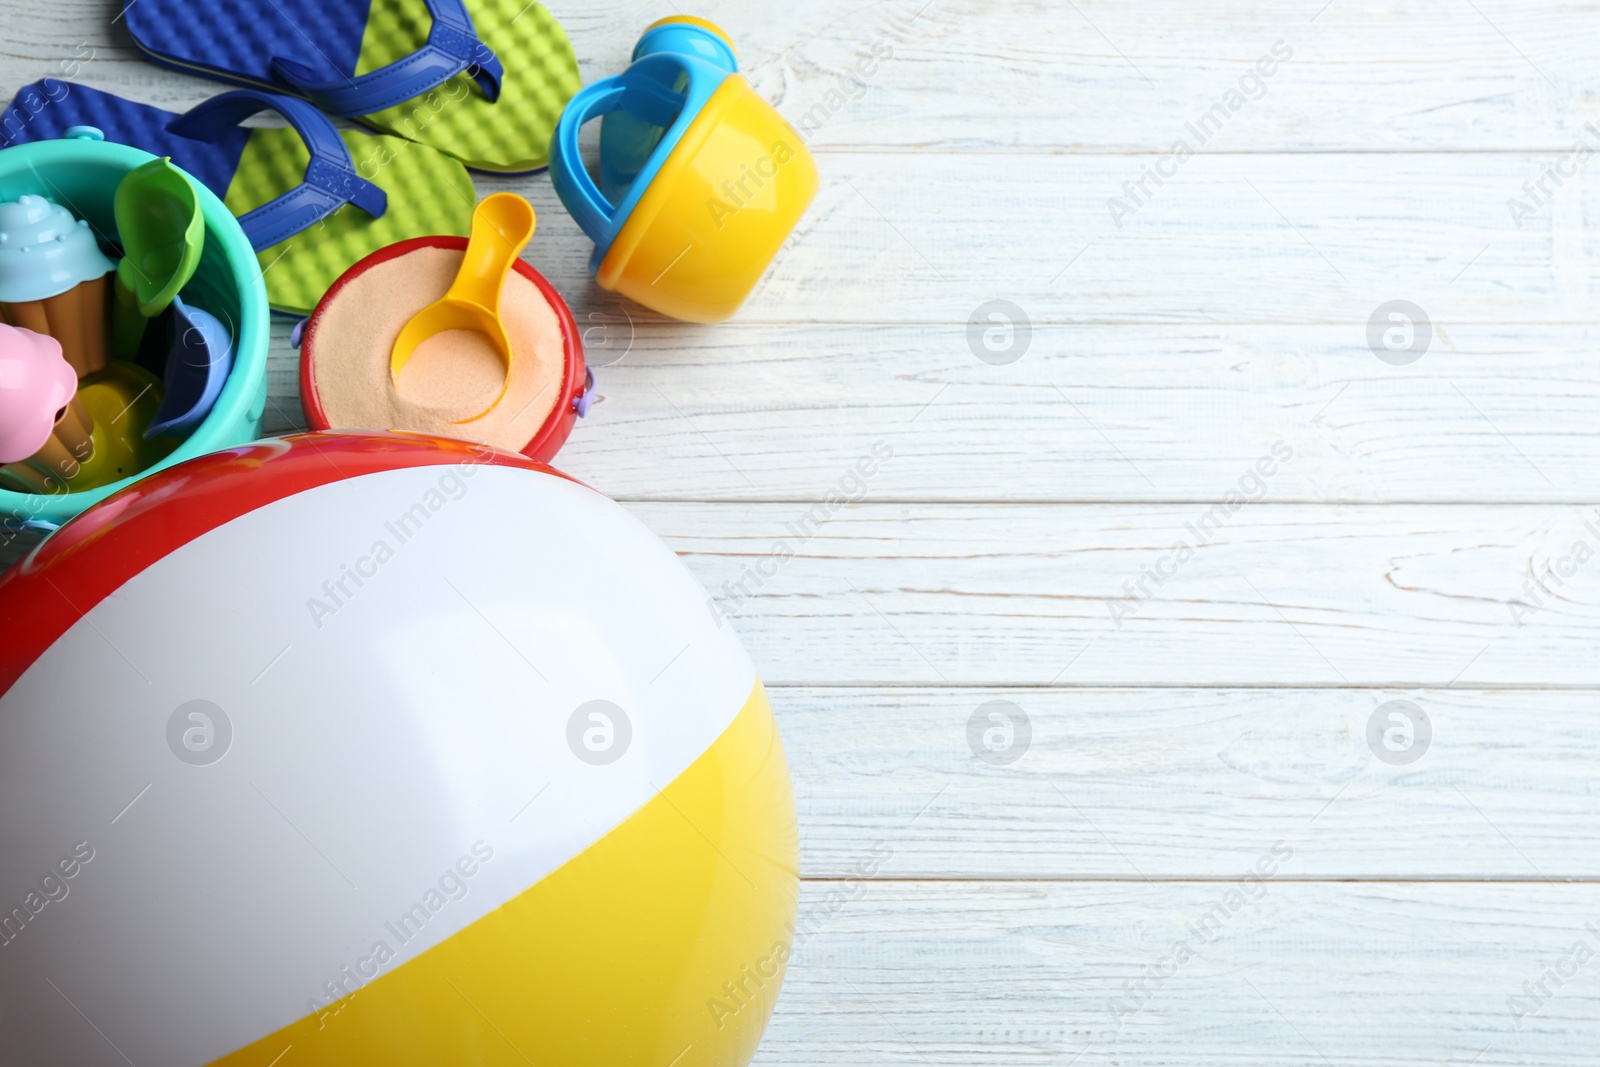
558, 785
96, 242
445, 85
701, 182
53, 294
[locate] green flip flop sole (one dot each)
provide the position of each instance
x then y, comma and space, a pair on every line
429, 193
511, 135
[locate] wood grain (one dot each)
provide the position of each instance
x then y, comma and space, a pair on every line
1103, 76
1161, 784
1037, 595
1125, 414
1350, 975
1261, 238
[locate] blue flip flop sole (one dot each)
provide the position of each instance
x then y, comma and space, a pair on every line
387, 65
206, 38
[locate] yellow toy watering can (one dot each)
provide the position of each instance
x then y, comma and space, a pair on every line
701, 180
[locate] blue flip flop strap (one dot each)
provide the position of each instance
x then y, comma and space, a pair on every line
331, 180
452, 47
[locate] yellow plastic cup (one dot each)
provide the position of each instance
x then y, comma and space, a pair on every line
696, 227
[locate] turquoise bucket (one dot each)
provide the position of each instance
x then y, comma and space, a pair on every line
80, 172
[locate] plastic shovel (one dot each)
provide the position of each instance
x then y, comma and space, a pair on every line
197, 368
501, 227
162, 234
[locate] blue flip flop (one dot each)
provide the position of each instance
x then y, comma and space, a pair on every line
481, 80
288, 186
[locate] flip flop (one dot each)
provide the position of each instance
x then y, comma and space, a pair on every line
485, 86
313, 200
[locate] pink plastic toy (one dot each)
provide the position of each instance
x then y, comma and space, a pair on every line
44, 430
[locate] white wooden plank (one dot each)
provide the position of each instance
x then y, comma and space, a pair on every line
1347, 975
1187, 783
1100, 413
1296, 238
924, 594
1099, 75
1089, 414
1030, 75
1035, 595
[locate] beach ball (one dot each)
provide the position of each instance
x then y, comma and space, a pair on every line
368, 749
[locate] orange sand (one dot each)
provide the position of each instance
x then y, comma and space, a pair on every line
451, 376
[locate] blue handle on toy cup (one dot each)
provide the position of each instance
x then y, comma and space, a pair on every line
593, 213
330, 180
687, 39
644, 91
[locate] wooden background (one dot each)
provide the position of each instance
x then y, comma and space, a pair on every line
961, 911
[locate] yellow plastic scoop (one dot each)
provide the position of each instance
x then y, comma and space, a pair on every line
501, 227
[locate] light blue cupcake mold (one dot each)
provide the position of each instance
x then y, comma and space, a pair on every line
44, 250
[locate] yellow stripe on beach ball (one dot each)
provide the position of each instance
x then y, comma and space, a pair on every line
664, 942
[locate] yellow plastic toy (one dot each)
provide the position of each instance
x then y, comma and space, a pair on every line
502, 225
701, 179
121, 399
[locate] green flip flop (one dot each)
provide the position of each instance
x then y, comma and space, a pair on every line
429, 193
